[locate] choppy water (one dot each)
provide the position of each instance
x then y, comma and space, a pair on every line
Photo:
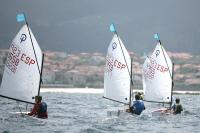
87, 113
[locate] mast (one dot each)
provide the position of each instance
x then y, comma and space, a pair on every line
41, 74
172, 84
131, 86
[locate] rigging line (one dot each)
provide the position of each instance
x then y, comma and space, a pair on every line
168, 69
32, 43
19, 107
130, 74
165, 59
124, 57
40, 72
123, 54
27, 108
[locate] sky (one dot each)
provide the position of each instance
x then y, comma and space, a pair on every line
75, 26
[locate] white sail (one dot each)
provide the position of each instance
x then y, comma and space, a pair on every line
157, 76
21, 76
117, 73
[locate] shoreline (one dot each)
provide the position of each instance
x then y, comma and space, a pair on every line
101, 90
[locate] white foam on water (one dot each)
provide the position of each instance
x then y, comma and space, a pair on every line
72, 90
101, 90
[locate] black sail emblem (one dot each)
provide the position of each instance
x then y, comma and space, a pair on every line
114, 45
23, 38
157, 53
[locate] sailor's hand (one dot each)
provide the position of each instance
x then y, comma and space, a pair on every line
128, 110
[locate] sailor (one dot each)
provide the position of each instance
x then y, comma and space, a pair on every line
138, 105
40, 108
177, 107
141, 95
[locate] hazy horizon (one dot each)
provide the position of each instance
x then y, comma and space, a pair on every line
83, 26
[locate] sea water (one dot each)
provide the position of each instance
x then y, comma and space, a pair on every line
74, 112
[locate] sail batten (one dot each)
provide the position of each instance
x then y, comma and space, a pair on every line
21, 76
157, 79
116, 74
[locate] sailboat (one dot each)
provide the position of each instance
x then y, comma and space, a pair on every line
158, 76
23, 69
117, 72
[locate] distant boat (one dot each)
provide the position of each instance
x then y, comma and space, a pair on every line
23, 69
158, 76
117, 73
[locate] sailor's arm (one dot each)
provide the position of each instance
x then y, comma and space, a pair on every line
34, 110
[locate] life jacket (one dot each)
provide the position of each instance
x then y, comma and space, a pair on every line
178, 109
43, 107
43, 111
138, 107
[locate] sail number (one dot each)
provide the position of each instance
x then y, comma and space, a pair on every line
15, 56
13, 60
